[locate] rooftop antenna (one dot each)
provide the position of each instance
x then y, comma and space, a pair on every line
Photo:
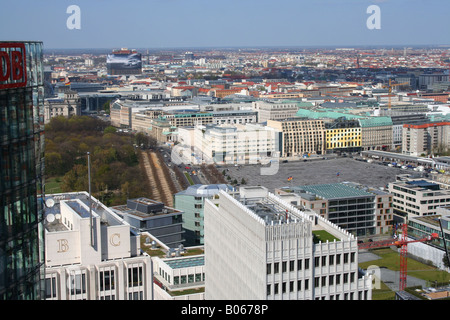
90, 199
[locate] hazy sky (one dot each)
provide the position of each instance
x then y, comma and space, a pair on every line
227, 23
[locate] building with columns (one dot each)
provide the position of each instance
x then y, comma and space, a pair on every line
91, 253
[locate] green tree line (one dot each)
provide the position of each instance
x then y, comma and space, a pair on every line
115, 171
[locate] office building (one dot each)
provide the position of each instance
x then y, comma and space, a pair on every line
91, 253
376, 133
361, 210
416, 197
300, 136
192, 201
424, 226
237, 143
259, 247
268, 110
343, 135
179, 277
22, 170
161, 221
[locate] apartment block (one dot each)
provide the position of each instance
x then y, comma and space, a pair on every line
300, 136
259, 247
425, 138
91, 253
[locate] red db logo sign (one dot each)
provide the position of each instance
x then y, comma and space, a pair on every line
12, 65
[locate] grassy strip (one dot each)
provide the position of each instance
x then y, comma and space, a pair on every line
189, 178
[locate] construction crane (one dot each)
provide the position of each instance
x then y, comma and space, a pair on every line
390, 86
402, 243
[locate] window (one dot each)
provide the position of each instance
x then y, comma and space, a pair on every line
276, 267
106, 280
331, 260
299, 264
291, 265
135, 276
50, 287
269, 268
284, 266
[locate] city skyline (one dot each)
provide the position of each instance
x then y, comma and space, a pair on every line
249, 23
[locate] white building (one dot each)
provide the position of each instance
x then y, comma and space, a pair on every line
174, 275
259, 247
105, 264
237, 143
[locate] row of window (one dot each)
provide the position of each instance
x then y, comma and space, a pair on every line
304, 264
302, 285
77, 285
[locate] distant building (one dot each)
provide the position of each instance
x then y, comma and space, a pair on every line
146, 215
67, 105
92, 254
192, 201
259, 247
275, 110
124, 62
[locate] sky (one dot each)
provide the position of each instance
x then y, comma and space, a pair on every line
226, 23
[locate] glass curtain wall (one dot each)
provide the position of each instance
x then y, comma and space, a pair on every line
21, 178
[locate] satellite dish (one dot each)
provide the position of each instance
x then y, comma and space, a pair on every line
50, 217
50, 202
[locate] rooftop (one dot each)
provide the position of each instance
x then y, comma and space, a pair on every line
334, 190
178, 263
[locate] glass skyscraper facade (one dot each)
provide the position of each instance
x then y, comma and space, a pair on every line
21, 171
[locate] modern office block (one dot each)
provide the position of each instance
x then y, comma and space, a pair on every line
21, 170
258, 247
359, 209
161, 221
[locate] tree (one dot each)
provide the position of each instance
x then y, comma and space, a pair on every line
110, 129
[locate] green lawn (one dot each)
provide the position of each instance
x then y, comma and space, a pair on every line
391, 260
52, 185
189, 178
322, 235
